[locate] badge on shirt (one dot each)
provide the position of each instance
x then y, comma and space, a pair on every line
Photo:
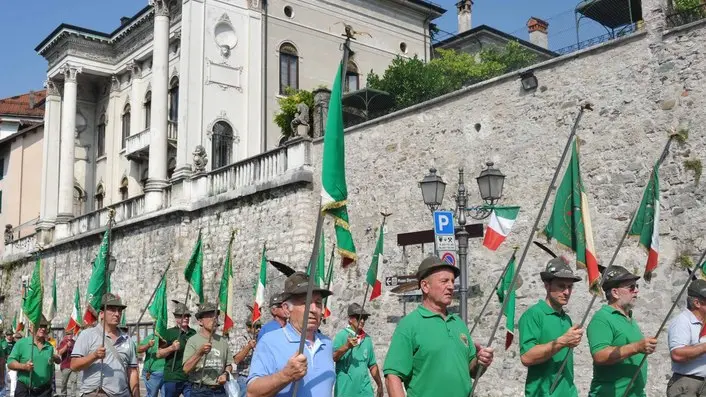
464, 338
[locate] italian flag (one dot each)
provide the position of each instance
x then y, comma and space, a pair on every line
225, 292
646, 223
260, 288
504, 292
334, 192
372, 276
570, 221
75, 319
501, 221
329, 277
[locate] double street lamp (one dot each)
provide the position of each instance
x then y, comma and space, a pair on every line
490, 183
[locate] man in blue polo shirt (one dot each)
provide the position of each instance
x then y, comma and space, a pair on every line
279, 316
276, 364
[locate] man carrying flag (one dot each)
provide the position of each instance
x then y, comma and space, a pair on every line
171, 348
354, 356
687, 344
547, 334
33, 358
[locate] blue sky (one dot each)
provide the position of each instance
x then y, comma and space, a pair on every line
25, 23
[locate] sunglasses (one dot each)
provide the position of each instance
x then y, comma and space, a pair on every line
631, 287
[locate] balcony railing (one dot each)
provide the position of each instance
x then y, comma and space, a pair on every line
21, 231
252, 171
687, 15
124, 210
625, 31
172, 130
138, 143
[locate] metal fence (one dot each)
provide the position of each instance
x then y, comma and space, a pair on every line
687, 15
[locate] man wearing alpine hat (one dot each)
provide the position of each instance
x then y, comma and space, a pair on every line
431, 351
616, 342
354, 356
277, 364
686, 347
279, 316
547, 334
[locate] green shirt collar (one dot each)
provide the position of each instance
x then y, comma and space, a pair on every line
547, 309
426, 313
610, 309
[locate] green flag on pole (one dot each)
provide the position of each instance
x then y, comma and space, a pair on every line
158, 309
510, 309
97, 286
320, 279
194, 269
334, 192
225, 292
34, 301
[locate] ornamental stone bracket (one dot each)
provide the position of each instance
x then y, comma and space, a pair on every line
71, 72
52, 88
134, 68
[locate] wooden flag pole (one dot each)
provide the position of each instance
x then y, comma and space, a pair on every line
313, 260
490, 295
149, 301
106, 281
569, 141
666, 318
557, 376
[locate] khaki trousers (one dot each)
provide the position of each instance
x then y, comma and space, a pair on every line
684, 386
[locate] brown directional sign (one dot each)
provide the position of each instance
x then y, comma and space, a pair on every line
427, 236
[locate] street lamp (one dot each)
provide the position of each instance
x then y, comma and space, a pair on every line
490, 183
433, 188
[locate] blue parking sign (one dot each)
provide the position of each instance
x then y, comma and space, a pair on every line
443, 223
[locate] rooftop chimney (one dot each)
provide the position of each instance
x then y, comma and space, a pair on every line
124, 20
538, 32
464, 15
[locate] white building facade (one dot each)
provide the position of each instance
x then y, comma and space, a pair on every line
176, 104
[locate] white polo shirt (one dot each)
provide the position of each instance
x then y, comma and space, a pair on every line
683, 331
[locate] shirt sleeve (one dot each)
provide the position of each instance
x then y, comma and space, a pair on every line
81, 348
339, 340
371, 353
16, 354
530, 327
679, 334
600, 334
132, 357
262, 363
400, 354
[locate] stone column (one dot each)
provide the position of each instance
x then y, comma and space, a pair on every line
160, 90
50, 163
68, 130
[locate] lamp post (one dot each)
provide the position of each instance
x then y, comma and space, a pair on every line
490, 183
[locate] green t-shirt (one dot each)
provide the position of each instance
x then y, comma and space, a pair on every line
42, 359
431, 354
216, 359
3, 349
152, 363
609, 327
7, 347
542, 324
352, 379
177, 375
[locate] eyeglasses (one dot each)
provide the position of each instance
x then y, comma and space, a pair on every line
631, 287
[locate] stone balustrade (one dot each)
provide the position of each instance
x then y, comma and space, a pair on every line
124, 210
138, 142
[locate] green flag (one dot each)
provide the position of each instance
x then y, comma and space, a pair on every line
194, 269
320, 264
158, 309
502, 292
99, 284
34, 300
52, 308
646, 223
570, 221
334, 192
225, 292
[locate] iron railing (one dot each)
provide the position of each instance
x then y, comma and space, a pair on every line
626, 31
687, 15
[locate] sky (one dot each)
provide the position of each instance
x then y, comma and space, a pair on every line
25, 23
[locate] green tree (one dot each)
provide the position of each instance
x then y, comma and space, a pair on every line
288, 108
411, 80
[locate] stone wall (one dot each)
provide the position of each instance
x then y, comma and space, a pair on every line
641, 87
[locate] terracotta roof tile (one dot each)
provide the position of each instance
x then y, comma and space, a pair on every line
19, 105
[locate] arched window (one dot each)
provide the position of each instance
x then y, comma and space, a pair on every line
148, 109
222, 144
100, 144
174, 99
288, 68
126, 124
100, 194
123, 188
79, 199
352, 78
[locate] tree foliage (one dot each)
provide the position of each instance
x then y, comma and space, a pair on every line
411, 80
288, 108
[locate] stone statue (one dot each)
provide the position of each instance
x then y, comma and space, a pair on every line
9, 236
300, 124
200, 159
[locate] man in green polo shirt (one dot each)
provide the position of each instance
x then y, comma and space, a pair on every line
354, 356
616, 342
172, 350
431, 351
547, 335
33, 358
153, 367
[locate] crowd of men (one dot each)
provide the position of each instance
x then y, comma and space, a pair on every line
431, 352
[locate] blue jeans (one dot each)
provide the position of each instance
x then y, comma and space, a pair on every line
154, 384
173, 389
205, 391
242, 382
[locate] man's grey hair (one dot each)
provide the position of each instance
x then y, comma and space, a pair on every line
690, 302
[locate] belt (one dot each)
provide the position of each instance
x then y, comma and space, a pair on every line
695, 377
202, 386
36, 389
